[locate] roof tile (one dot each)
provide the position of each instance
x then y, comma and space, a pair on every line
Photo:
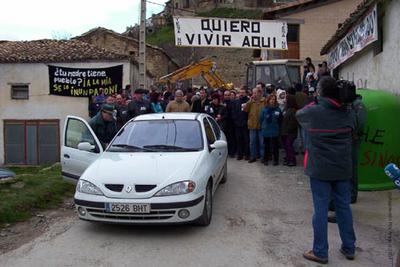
54, 51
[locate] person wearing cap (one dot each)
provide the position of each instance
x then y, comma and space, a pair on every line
104, 124
179, 104
139, 105
328, 163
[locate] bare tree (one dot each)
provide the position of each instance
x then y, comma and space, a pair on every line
61, 35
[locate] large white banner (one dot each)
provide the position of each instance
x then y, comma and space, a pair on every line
359, 37
233, 33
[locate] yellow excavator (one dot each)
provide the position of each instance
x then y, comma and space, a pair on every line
204, 67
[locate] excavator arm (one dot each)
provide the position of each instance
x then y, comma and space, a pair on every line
205, 68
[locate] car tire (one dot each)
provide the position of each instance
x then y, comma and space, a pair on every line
225, 177
205, 218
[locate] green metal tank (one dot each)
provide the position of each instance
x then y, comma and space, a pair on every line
380, 142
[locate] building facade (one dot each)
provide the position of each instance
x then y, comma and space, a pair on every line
32, 119
375, 66
310, 24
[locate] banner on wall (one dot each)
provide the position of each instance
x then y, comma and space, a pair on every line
84, 82
230, 33
361, 35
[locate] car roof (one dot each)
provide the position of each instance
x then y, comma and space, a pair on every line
170, 116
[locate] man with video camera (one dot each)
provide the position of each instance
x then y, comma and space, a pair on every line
329, 123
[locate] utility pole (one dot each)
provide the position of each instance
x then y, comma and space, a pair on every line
142, 45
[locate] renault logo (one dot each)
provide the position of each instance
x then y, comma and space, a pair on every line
128, 189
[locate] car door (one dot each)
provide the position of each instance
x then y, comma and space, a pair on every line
74, 161
214, 153
222, 152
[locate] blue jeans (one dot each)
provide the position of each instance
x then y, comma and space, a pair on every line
256, 144
340, 190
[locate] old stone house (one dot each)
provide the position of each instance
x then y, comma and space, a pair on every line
159, 63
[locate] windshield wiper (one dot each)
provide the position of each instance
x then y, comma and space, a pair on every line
132, 147
169, 147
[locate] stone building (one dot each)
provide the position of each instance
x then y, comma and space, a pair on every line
369, 64
32, 119
159, 63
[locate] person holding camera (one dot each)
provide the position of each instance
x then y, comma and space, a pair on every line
329, 124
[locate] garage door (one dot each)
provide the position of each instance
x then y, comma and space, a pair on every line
31, 142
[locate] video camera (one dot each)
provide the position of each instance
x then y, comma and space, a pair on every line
347, 91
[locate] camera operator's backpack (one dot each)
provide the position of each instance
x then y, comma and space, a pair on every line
347, 91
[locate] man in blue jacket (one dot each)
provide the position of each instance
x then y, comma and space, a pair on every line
328, 162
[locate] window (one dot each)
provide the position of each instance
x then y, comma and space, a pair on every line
31, 142
159, 135
19, 91
209, 132
185, 3
215, 126
378, 45
76, 133
293, 33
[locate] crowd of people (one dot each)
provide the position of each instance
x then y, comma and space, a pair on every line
261, 121
257, 122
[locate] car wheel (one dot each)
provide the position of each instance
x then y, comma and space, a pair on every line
225, 177
205, 218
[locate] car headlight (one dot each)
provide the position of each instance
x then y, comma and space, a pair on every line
179, 188
86, 187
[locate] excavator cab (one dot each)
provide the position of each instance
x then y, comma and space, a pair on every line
281, 73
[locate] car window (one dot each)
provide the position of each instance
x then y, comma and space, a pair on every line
159, 135
215, 126
209, 132
76, 133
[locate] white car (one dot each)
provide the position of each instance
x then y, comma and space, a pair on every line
159, 168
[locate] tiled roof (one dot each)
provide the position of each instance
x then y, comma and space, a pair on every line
54, 51
360, 11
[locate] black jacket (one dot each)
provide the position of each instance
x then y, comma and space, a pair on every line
199, 106
329, 127
136, 108
214, 111
239, 117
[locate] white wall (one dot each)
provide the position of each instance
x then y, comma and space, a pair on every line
380, 71
40, 104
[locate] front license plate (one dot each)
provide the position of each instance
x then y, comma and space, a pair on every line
127, 208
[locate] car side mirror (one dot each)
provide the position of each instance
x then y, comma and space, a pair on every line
219, 144
86, 146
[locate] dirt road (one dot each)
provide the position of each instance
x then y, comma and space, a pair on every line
262, 217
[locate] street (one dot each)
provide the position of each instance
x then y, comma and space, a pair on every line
262, 217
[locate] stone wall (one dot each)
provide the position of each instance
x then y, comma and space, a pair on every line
231, 62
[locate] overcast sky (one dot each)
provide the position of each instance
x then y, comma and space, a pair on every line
38, 19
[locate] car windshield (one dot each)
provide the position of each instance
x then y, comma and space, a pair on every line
159, 136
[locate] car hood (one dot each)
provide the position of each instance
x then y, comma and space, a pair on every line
140, 171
